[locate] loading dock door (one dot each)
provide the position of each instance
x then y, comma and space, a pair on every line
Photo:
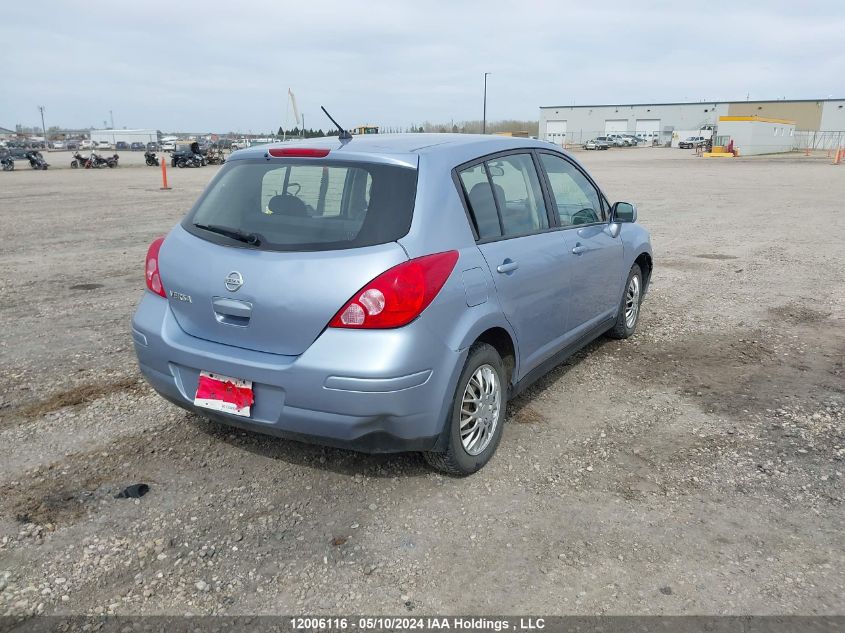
556, 131
615, 125
648, 129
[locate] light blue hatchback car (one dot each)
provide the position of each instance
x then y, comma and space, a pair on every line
386, 293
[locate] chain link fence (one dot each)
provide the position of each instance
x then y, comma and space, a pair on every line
811, 140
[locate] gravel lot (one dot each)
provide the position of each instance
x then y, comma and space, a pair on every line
694, 469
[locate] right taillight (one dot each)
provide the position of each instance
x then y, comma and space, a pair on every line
152, 271
397, 296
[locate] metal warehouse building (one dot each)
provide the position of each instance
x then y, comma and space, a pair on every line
819, 123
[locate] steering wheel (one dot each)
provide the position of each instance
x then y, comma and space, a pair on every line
584, 216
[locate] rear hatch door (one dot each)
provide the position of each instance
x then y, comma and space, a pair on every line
277, 302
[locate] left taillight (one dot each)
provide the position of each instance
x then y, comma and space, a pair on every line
152, 269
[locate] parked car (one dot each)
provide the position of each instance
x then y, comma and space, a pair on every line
633, 139
137, 147
692, 142
619, 140
153, 147
121, 145
87, 144
606, 140
596, 144
168, 146
72, 146
103, 145
58, 145
396, 308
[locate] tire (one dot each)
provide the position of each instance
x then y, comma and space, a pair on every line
74, 164
483, 361
181, 164
632, 298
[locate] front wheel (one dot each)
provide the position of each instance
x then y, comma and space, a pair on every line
474, 426
181, 164
629, 307
74, 164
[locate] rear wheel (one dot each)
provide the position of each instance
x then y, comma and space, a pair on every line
474, 427
629, 307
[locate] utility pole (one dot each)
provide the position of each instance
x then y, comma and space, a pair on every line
43, 127
111, 116
484, 118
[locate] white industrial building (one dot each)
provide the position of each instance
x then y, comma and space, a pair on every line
127, 136
818, 122
751, 135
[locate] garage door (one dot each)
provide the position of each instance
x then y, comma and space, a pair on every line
648, 129
615, 125
556, 131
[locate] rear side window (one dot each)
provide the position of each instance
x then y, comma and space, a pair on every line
314, 205
481, 202
504, 196
517, 190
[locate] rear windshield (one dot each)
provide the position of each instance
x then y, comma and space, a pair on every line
290, 205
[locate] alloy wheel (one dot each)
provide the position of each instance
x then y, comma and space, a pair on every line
480, 406
632, 301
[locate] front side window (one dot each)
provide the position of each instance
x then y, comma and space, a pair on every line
576, 199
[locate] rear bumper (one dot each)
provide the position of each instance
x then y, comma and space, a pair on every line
373, 391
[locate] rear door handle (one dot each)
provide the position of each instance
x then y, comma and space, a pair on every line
578, 249
507, 266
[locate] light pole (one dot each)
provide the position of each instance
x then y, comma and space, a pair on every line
43, 127
484, 118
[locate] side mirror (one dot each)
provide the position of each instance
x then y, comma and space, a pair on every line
623, 212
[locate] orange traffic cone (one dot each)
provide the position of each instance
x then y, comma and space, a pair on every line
838, 158
164, 186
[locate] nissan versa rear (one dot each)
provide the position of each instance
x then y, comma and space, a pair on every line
386, 293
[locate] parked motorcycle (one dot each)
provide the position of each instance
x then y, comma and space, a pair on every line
215, 157
80, 161
95, 161
99, 162
151, 159
7, 162
194, 160
36, 160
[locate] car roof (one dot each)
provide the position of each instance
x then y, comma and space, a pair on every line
406, 148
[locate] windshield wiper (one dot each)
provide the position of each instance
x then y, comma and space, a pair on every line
236, 234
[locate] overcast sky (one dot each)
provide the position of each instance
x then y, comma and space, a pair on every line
219, 66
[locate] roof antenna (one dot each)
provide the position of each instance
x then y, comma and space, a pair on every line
344, 135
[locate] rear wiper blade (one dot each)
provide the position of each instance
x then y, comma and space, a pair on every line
235, 234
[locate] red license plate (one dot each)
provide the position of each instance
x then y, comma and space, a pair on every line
224, 393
